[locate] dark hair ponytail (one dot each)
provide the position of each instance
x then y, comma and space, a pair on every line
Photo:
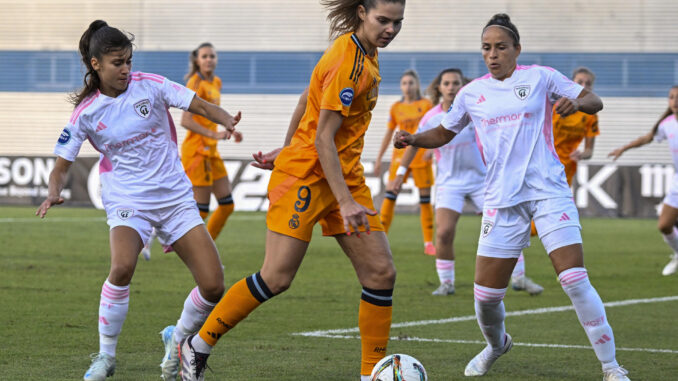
664, 115
503, 21
433, 91
193, 60
98, 39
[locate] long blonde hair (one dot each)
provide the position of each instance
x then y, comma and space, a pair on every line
343, 16
413, 73
193, 60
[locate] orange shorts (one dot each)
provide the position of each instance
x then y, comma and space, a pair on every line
296, 205
423, 177
203, 170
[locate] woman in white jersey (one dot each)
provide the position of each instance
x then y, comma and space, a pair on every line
511, 109
125, 116
460, 174
665, 129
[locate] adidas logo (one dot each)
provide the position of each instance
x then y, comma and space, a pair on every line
101, 127
603, 339
564, 217
214, 335
481, 99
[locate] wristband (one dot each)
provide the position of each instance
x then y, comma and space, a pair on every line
401, 171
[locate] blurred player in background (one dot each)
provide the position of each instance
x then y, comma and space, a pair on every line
125, 116
665, 129
405, 115
318, 178
460, 174
511, 108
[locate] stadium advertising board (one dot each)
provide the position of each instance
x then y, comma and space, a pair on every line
607, 190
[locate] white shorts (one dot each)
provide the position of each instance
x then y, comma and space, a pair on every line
448, 198
505, 232
170, 223
671, 198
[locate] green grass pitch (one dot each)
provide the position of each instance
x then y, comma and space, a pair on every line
51, 273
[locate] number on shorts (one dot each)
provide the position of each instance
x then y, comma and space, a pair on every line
304, 195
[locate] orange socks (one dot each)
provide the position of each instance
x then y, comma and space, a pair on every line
241, 299
374, 321
533, 229
426, 215
219, 217
386, 212
204, 209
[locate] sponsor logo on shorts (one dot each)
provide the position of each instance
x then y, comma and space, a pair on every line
522, 91
143, 108
346, 96
65, 136
487, 228
125, 213
294, 221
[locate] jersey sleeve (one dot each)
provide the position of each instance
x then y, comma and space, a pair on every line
339, 82
560, 86
457, 116
71, 139
660, 135
592, 126
392, 124
176, 95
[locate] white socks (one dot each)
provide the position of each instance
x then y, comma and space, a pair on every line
490, 313
113, 308
672, 239
519, 270
445, 268
591, 314
196, 310
200, 345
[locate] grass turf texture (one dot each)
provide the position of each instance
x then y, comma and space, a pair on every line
52, 271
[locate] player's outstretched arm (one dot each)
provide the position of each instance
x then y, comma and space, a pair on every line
216, 114
433, 138
57, 179
641, 141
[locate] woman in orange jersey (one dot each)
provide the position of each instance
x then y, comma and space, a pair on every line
318, 178
405, 115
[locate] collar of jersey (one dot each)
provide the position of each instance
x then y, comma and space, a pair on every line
357, 42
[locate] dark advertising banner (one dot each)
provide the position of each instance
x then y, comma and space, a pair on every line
600, 190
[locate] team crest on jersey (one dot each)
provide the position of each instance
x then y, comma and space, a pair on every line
346, 96
294, 221
486, 228
522, 91
143, 108
125, 213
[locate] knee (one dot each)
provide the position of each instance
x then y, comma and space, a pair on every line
279, 284
121, 274
212, 291
665, 228
383, 275
445, 234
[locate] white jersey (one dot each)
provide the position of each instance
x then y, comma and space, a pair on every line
513, 124
668, 130
135, 134
459, 165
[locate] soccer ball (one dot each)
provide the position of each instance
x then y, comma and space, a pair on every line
398, 367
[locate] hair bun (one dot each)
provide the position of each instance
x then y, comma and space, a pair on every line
97, 24
501, 18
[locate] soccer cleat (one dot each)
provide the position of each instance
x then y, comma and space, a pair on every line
483, 361
146, 252
170, 362
526, 284
429, 248
103, 365
193, 364
672, 266
444, 289
616, 374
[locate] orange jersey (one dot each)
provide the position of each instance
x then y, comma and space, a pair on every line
406, 117
569, 131
211, 92
346, 80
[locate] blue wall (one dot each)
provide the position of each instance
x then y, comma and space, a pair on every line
618, 74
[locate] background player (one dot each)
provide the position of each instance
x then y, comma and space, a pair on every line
511, 108
124, 115
405, 115
318, 177
665, 129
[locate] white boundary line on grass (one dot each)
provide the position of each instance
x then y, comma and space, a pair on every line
341, 333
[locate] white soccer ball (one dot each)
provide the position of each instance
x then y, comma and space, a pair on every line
399, 367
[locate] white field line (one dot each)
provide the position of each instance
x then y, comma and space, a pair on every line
244, 217
341, 333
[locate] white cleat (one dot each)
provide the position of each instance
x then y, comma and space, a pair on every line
170, 362
444, 289
146, 252
672, 266
526, 284
193, 364
483, 361
616, 374
103, 365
